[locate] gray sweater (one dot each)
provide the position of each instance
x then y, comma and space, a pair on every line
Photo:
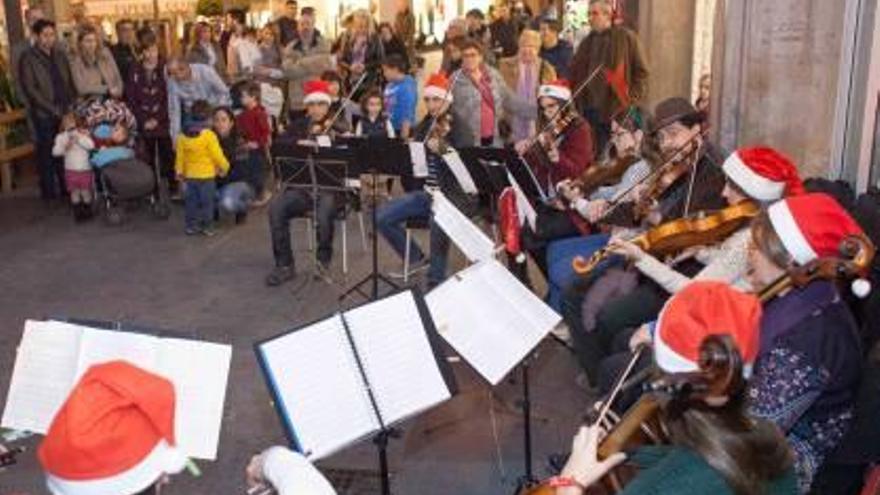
466, 108
204, 84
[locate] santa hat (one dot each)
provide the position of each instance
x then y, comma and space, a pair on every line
316, 91
698, 311
114, 435
559, 89
763, 173
813, 226
437, 86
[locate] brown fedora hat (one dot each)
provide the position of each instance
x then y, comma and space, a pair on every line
673, 110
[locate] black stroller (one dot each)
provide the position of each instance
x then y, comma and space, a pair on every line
125, 183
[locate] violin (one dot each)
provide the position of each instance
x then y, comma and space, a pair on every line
719, 374
668, 174
856, 255
603, 175
680, 234
547, 138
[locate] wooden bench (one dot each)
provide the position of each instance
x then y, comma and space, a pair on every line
9, 155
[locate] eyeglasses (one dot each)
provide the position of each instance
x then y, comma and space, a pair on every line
551, 106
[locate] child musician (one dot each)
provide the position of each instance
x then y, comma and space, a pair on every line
416, 203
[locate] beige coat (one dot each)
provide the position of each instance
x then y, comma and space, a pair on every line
300, 63
509, 69
96, 78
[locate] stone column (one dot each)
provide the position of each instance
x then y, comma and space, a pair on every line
14, 22
667, 33
776, 80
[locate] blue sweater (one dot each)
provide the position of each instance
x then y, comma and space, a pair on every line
401, 98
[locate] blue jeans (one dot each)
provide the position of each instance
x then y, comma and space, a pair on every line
199, 203
49, 168
391, 218
560, 274
236, 197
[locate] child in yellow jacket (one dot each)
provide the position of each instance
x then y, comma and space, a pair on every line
199, 161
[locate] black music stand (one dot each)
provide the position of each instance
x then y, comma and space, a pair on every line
307, 166
488, 168
378, 155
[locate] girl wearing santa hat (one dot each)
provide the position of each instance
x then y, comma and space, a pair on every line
761, 175
567, 145
809, 359
714, 447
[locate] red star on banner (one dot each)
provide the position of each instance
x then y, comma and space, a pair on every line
617, 80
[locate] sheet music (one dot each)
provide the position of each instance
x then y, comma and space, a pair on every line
419, 158
461, 173
200, 372
472, 241
101, 346
397, 356
324, 141
490, 318
42, 377
523, 206
54, 355
321, 389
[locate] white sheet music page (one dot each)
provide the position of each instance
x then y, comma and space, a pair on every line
42, 377
200, 372
393, 345
321, 390
490, 318
460, 171
419, 158
100, 346
472, 241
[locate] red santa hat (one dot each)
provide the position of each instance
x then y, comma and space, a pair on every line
813, 226
763, 173
699, 310
114, 435
316, 91
559, 89
437, 86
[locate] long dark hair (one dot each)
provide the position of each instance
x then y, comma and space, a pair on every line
748, 453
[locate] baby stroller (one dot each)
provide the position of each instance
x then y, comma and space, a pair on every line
126, 181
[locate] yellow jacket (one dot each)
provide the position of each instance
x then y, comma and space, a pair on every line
200, 157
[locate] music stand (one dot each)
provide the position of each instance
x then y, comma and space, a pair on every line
488, 168
378, 155
315, 169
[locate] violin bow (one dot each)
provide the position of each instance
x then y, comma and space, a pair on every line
618, 200
619, 385
341, 109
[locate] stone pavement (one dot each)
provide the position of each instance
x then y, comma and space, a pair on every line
147, 271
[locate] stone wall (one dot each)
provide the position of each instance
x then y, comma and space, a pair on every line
777, 77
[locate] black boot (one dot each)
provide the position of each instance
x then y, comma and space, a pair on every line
77, 210
88, 211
